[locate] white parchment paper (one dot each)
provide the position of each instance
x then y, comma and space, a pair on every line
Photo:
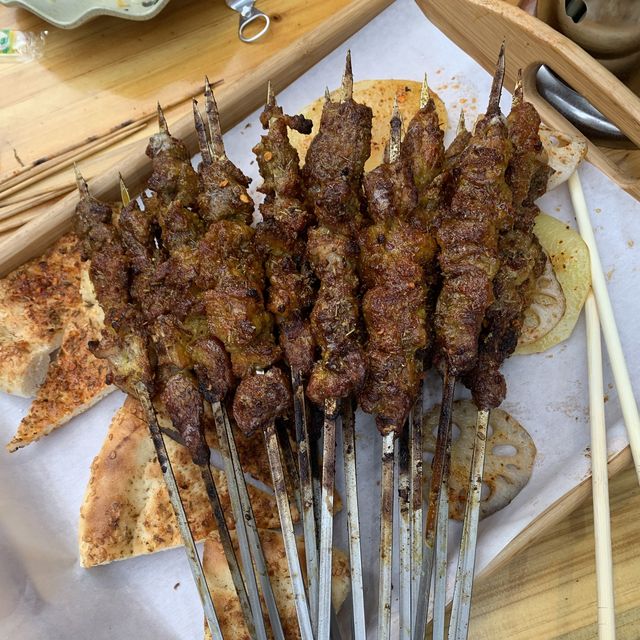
43, 591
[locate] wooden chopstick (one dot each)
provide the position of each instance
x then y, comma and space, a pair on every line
608, 323
599, 477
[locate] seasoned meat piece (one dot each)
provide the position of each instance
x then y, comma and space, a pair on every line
137, 232
277, 158
298, 344
260, 399
333, 173
522, 262
397, 266
394, 252
393, 394
468, 238
228, 247
395, 317
232, 279
231, 270
183, 403
241, 323
223, 193
93, 222
390, 189
334, 165
422, 152
212, 366
521, 257
335, 317
173, 178
281, 234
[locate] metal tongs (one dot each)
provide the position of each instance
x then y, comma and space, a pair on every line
248, 15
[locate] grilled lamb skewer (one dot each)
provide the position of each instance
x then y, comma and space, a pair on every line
128, 348
395, 253
163, 285
522, 261
230, 269
281, 238
333, 174
477, 207
423, 150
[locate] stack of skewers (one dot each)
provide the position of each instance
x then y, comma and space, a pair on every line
345, 294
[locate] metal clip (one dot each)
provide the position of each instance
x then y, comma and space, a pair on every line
248, 14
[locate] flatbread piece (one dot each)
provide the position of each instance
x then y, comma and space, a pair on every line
225, 599
36, 300
126, 510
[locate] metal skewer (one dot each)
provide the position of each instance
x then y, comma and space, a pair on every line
415, 440
246, 529
252, 616
404, 496
326, 517
387, 489
178, 509
386, 536
288, 536
463, 587
214, 148
435, 490
416, 461
459, 624
331, 413
442, 538
306, 496
353, 519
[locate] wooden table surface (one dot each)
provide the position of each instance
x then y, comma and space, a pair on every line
549, 589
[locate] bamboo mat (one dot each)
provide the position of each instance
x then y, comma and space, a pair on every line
93, 93
548, 591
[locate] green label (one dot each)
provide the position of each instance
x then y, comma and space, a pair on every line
6, 41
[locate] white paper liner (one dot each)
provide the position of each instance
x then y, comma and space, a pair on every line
43, 591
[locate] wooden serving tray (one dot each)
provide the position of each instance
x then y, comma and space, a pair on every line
92, 96
480, 26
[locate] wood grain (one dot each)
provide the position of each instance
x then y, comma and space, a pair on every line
549, 590
97, 77
480, 26
110, 71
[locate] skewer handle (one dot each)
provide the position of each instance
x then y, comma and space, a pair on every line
386, 537
600, 480
288, 536
307, 497
608, 322
353, 521
181, 516
461, 608
326, 521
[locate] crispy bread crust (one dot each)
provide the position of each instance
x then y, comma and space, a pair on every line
36, 300
126, 509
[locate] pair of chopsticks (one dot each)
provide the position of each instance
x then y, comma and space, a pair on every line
600, 318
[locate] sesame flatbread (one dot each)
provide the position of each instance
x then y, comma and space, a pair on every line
380, 96
75, 379
225, 599
36, 300
126, 509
